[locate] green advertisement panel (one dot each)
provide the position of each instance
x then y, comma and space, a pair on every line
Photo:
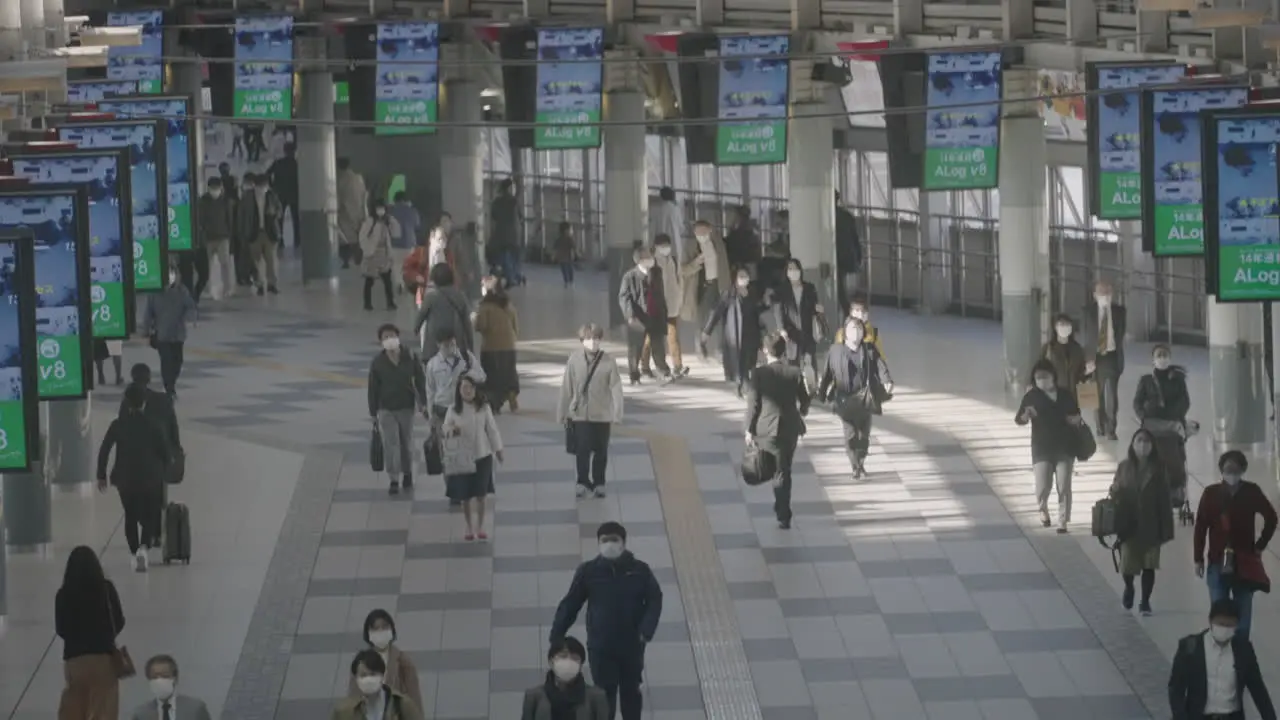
754, 87
1242, 204
264, 67
19, 404
407, 89
144, 62
962, 142
570, 88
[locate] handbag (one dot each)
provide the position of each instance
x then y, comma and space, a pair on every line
431, 454
1085, 443
377, 459
570, 438
121, 661
758, 466
458, 454
570, 433
177, 467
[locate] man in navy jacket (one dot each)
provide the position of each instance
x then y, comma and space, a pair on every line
624, 604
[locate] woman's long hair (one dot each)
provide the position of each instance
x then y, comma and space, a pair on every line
1153, 458
479, 402
83, 573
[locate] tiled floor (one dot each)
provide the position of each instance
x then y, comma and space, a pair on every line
925, 591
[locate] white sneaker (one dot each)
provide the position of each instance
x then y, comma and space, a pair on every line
581, 491
1044, 518
140, 560
598, 492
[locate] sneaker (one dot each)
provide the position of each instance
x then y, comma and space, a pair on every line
394, 489
1044, 518
648, 372
261, 291
581, 491
1145, 609
407, 482
784, 524
599, 491
682, 371
272, 289
1062, 530
140, 560
668, 379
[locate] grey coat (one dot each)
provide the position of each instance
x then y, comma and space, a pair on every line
184, 708
1143, 496
443, 308
168, 313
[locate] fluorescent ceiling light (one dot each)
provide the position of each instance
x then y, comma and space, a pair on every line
111, 36
83, 57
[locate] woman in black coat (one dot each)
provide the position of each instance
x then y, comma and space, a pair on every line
1055, 420
1141, 491
739, 310
856, 381
799, 316
1161, 404
142, 463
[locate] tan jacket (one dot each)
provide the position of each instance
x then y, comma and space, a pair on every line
690, 308
401, 677
399, 707
497, 325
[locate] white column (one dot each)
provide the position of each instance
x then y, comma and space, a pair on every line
626, 191
462, 192
1237, 377
1140, 296
1024, 220
317, 177
812, 185
55, 22
935, 255
33, 31
10, 31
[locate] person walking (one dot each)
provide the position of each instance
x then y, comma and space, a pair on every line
642, 298
1105, 324
282, 176
565, 692
374, 699
499, 329
259, 225
410, 221
566, 252
165, 323
1066, 355
1054, 417
777, 402
799, 318
88, 617
740, 314
353, 208
504, 214
1212, 670
1226, 519
668, 219
401, 675
376, 234
139, 473
167, 704
666, 268
624, 605
397, 391
707, 275
217, 219
470, 421
857, 383
590, 405
1141, 491
444, 307
848, 255
1161, 403
104, 350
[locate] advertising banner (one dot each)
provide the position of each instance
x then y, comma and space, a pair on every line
408, 82
91, 91
264, 67
180, 184
1242, 204
1115, 134
754, 87
1172, 213
962, 137
19, 404
570, 86
146, 158
63, 332
110, 242
143, 63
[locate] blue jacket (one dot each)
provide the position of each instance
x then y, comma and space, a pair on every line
623, 599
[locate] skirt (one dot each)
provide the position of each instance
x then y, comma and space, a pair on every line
1134, 558
502, 379
472, 485
92, 691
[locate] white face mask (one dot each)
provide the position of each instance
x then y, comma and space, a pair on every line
703, 238
591, 344
1064, 331
162, 688
391, 344
215, 194
793, 275
1161, 363
1045, 384
380, 212
1222, 634
665, 251
565, 669
611, 550
173, 278
369, 684
1232, 479
380, 639
645, 265
744, 282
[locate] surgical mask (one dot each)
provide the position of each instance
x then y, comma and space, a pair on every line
793, 275
173, 278
703, 238
391, 343
611, 550
215, 194
1044, 384
1232, 479
565, 669
1222, 634
744, 282
380, 212
380, 639
646, 264
664, 251
369, 684
591, 344
1161, 363
1064, 331
162, 688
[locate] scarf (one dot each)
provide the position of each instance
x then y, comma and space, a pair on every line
565, 700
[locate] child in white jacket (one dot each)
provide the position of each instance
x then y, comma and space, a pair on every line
470, 421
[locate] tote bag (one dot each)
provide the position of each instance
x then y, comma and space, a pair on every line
458, 454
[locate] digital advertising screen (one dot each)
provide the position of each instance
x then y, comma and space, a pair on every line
179, 157
80, 92
570, 87
1242, 204
962, 138
19, 402
1114, 133
1172, 209
141, 63
64, 335
408, 79
146, 157
110, 232
753, 100
264, 67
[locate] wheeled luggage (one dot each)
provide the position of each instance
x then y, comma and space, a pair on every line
177, 534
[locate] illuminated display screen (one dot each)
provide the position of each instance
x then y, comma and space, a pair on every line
19, 403
962, 143
142, 63
264, 67
570, 85
753, 100
408, 81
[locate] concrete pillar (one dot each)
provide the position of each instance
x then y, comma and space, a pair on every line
28, 505
11, 31
462, 158
811, 221
626, 193
935, 256
1024, 220
55, 23
1140, 296
317, 177
69, 453
1237, 379
33, 30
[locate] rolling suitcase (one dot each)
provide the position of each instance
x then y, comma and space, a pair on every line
177, 534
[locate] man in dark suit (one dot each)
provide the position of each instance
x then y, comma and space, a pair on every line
777, 402
644, 305
159, 410
1105, 328
1213, 668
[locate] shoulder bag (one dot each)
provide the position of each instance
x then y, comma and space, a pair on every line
121, 660
571, 437
458, 452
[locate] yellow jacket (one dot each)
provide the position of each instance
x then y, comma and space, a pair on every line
872, 336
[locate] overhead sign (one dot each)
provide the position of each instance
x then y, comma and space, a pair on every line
570, 87
103, 174
264, 67
19, 402
64, 336
1172, 213
408, 81
143, 63
962, 137
91, 91
754, 85
1114, 133
1242, 204
147, 161
179, 158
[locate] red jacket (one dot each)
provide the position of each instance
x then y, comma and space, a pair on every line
1222, 513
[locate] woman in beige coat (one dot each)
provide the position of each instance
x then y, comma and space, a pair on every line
401, 674
707, 275
374, 698
375, 242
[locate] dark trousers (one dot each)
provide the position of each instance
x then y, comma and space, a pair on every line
141, 517
620, 676
291, 204
784, 450
511, 270
656, 335
246, 273
171, 358
857, 439
193, 270
591, 442
1106, 374
386, 289
566, 272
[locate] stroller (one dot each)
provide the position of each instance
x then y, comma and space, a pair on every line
1171, 443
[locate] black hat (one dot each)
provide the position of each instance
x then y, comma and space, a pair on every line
1234, 456
612, 528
